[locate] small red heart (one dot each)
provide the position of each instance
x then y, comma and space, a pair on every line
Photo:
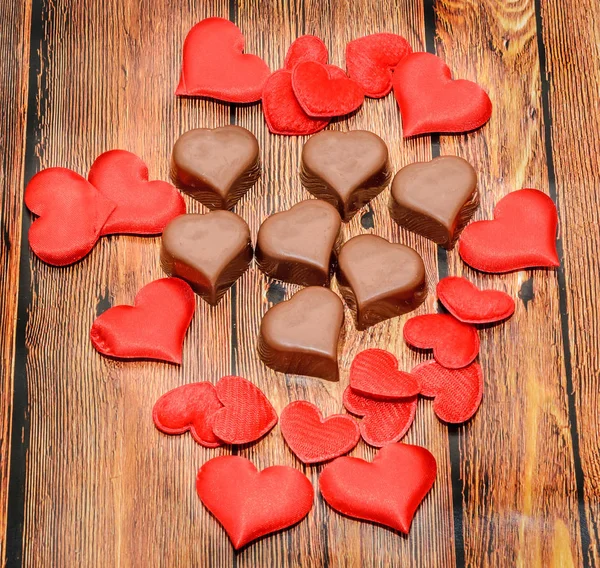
189, 407
387, 491
384, 421
371, 59
457, 392
247, 414
215, 66
314, 439
251, 503
71, 215
430, 101
306, 48
455, 344
469, 304
153, 328
374, 373
143, 207
522, 235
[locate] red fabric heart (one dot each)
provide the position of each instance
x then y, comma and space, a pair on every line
71, 215
247, 414
306, 48
314, 439
374, 373
387, 491
371, 59
320, 95
455, 344
469, 304
522, 235
143, 207
215, 66
384, 421
189, 407
154, 328
251, 503
430, 101
457, 392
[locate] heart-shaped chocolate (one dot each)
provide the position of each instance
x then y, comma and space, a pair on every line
298, 245
380, 280
216, 167
347, 169
209, 251
300, 336
435, 199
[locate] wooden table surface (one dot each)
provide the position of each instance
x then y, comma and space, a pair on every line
86, 480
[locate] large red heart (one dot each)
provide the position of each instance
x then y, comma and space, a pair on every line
430, 101
306, 48
247, 414
215, 66
387, 491
374, 374
469, 304
384, 421
154, 328
457, 392
71, 215
455, 344
143, 207
314, 439
522, 235
251, 503
189, 407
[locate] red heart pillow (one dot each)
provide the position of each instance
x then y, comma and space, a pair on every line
250, 503
154, 328
522, 235
215, 66
430, 101
387, 491
306, 48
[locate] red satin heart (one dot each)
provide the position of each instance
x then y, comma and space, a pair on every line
371, 59
387, 491
251, 503
247, 414
469, 304
455, 344
215, 66
384, 421
143, 207
189, 407
522, 235
306, 48
314, 439
153, 328
430, 101
457, 392
322, 96
374, 374
71, 215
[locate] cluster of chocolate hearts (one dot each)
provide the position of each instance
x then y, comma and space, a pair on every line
303, 96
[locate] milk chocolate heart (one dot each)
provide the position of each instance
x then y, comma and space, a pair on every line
209, 251
435, 199
298, 245
347, 169
216, 167
380, 280
300, 336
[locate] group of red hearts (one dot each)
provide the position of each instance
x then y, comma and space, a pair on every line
118, 198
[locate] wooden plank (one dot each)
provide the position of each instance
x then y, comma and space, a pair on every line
520, 501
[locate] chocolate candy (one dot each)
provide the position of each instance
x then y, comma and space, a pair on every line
210, 251
435, 199
216, 167
380, 280
300, 336
347, 169
298, 245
